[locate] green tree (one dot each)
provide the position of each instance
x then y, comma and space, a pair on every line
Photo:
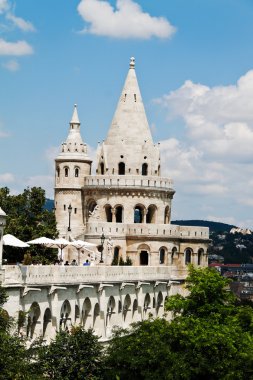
72, 356
27, 219
15, 361
209, 338
211, 334
139, 353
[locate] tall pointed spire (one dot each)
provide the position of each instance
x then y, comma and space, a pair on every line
130, 122
129, 141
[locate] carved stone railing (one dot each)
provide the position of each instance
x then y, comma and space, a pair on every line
128, 182
155, 230
47, 275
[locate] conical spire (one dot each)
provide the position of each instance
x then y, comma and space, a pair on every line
74, 145
75, 118
129, 143
130, 123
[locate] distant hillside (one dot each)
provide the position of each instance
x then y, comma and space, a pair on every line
213, 226
49, 204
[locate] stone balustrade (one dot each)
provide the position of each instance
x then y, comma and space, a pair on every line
130, 182
140, 229
47, 275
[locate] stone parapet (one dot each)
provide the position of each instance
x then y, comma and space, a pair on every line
152, 230
49, 275
126, 181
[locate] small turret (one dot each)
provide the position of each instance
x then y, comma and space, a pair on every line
71, 166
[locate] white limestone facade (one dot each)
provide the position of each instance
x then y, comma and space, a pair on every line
129, 203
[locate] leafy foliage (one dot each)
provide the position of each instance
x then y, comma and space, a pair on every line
210, 337
14, 357
72, 356
27, 219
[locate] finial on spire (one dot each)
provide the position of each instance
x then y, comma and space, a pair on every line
132, 63
75, 119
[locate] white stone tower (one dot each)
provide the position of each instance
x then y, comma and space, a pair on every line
72, 165
127, 201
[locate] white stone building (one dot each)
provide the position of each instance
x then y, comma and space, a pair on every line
128, 203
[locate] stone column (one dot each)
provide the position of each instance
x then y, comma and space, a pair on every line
2, 224
113, 215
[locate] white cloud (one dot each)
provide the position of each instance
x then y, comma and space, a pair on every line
127, 20
7, 178
11, 65
213, 162
4, 6
25, 26
18, 48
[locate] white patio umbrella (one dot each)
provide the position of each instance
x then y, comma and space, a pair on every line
11, 240
80, 244
59, 243
41, 241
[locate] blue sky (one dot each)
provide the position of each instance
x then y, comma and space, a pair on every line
194, 62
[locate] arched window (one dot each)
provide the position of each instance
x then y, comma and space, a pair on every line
135, 307
188, 254
58, 171
143, 258
126, 306
96, 315
122, 168
138, 214
86, 313
119, 214
200, 255
47, 323
102, 168
33, 316
144, 170
108, 213
110, 309
147, 302
162, 255
173, 253
76, 172
115, 260
150, 218
66, 171
167, 215
65, 320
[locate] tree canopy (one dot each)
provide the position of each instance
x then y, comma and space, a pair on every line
209, 338
28, 219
